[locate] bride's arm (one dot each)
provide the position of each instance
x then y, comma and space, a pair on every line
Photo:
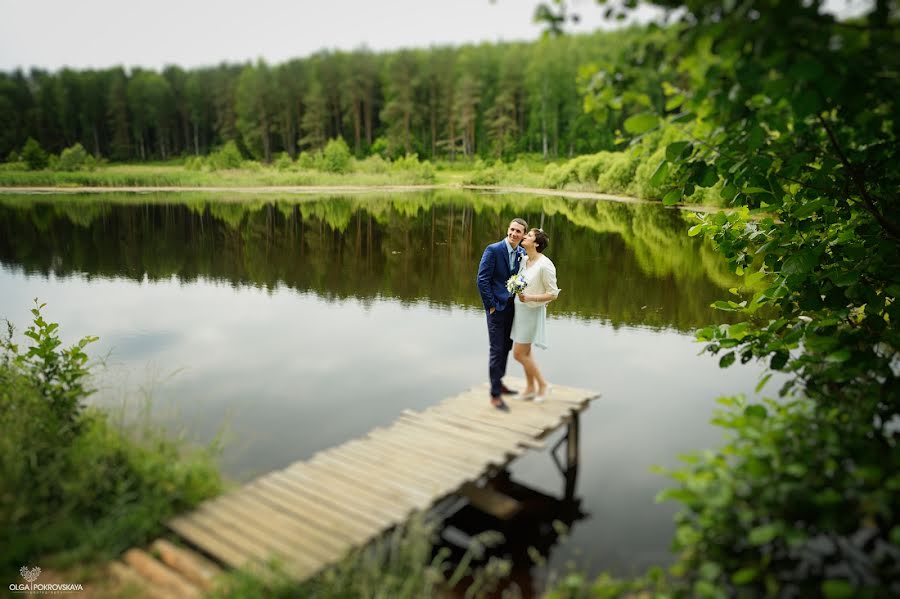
548, 278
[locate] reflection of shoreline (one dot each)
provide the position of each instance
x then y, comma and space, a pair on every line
629, 265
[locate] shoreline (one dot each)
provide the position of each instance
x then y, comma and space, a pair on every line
343, 189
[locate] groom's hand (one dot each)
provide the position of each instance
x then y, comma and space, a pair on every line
493, 309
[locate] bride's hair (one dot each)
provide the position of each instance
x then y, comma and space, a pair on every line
541, 240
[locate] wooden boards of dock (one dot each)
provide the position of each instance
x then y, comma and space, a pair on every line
312, 513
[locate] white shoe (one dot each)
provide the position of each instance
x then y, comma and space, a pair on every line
542, 397
526, 396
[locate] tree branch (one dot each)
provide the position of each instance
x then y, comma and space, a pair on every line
860, 185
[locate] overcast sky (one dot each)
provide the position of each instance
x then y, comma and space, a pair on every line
82, 34
102, 33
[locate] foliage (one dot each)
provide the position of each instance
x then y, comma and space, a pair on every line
336, 157
73, 485
33, 155
484, 174
226, 157
402, 565
793, 115
75, 158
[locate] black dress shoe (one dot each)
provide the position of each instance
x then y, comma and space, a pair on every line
498, 403
507, 391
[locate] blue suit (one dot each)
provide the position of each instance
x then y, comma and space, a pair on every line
493, 272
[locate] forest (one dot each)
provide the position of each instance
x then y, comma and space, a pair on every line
490, 100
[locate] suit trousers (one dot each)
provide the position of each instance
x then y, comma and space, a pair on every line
499, 328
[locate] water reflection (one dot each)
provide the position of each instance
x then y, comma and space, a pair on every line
628, 264
304, 323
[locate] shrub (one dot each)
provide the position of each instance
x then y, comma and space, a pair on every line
555, 176
284, 162
73, 484
413, 171
374, 164
307, 160
75, 158
228, 156
34, 156
485, 175
618, 174
336, 157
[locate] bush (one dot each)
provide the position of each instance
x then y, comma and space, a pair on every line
336, 157
284, 162
228, 156
74, 485
618, 173
34, 156
307, 160
485, 175
412, 171
75, 158
374, 164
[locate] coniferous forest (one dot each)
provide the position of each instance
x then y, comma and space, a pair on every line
490, 100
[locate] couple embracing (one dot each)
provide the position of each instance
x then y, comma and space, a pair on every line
516, 282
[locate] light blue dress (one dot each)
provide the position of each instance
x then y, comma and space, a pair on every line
530, 320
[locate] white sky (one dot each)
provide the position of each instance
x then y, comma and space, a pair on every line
100, 33
82, 34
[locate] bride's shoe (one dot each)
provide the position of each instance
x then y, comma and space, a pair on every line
540, 398
527, 395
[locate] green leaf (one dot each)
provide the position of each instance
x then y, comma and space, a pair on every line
744, 575
840, 356
808, 208
756, 411
738, 331
837, 589
762, 382
800, 263
674, 102
672, 198
641, 123
727, 360
675, 150
695, 230
763, 534
660, 174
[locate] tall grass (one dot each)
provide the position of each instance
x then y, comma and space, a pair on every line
74, 486
402, 565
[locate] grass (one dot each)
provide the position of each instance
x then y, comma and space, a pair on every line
77, 487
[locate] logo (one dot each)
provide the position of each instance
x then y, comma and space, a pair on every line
31, 574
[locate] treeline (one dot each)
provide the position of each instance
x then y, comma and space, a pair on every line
490, 100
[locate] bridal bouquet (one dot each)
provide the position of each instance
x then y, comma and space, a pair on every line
516, 284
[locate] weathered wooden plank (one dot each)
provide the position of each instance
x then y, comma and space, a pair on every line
467, 436
341, 524
252, 534
301, 483
423, 451
296, 532
190, 564
473, 454
381, 504
397, 464
484, 416
485, 428
224, 549
492, 502
416, 496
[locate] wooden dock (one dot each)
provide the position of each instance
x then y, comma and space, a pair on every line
312, 513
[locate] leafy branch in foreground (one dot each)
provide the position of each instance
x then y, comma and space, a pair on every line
794, 115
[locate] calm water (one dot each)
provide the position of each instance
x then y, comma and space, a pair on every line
295, 324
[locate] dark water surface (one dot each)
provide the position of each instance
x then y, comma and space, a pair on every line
301, 323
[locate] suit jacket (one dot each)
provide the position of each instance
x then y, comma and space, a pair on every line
493, 272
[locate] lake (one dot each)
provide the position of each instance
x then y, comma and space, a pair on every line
289, 324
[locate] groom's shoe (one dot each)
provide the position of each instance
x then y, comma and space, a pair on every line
507, 391
498, 403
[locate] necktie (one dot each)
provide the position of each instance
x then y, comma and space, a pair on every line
512, 260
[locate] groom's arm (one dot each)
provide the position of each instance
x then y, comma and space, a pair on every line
485, 269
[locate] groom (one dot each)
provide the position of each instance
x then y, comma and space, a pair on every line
499, 261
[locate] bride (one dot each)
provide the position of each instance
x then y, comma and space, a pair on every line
529, 322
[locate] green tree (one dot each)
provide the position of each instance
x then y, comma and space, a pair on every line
34, 156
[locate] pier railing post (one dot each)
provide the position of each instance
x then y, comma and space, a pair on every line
571, 457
